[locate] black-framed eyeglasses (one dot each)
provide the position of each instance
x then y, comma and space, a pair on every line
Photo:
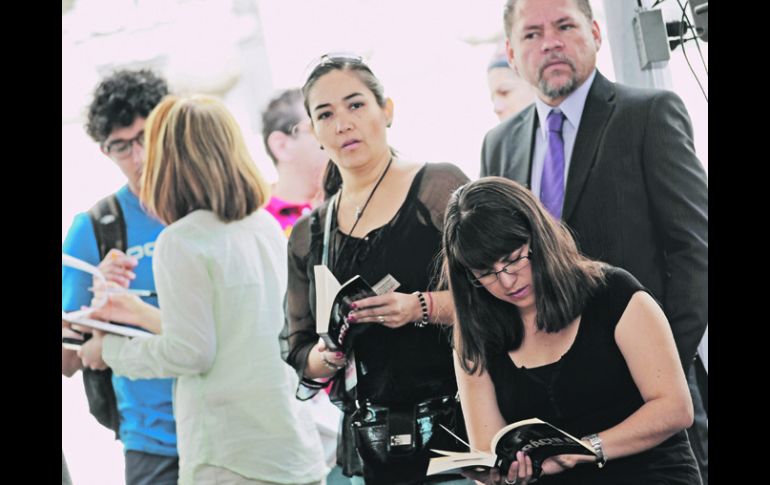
120, 149
512, 268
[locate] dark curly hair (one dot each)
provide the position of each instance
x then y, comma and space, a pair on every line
120, 98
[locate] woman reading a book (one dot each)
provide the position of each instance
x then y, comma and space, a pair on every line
220, 270
383, 218
543, 332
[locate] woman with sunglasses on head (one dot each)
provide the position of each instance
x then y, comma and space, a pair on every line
544, 332
384, 217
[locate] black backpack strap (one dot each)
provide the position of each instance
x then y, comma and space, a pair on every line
109, 225
110, 231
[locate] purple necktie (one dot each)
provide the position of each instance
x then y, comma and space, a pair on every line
552, 182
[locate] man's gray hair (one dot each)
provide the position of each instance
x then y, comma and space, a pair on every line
510, 5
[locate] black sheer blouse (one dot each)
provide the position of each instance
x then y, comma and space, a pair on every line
403, 365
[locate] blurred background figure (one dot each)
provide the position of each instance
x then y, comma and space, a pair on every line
65, 473
298, 158
300, 162
509, 92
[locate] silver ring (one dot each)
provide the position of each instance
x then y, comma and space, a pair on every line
381, 319
505, 480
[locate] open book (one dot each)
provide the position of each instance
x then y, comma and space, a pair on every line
80, 317
333, 304
537, 438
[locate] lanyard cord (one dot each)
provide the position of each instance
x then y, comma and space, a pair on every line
359, 214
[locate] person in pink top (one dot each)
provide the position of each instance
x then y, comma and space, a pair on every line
298, 158
301, 163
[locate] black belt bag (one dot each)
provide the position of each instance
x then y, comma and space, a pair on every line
395, 441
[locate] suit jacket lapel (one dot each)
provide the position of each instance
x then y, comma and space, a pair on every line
596, 113
518, 154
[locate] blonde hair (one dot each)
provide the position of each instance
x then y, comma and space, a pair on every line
197, 159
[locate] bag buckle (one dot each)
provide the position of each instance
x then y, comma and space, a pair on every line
401, 440
401, 426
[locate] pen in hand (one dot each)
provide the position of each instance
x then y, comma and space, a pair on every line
133, 291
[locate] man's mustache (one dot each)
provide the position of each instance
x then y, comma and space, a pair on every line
554, 59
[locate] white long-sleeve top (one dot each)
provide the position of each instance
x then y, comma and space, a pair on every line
220, 289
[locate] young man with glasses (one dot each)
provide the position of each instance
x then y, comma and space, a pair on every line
116, 119
299, 160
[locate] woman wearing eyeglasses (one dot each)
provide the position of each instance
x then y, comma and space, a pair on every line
543, 332
384, 217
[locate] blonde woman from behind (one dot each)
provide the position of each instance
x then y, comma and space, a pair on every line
220, 270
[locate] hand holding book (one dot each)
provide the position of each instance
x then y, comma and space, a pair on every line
525, 449
334, 361
393, 310
523, 471
334, 302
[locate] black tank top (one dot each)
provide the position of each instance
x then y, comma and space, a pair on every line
589, 390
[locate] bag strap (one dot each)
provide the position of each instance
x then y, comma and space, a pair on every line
109, 225
328, 229
110, 232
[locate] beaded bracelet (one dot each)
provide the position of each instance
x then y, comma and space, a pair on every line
424, 307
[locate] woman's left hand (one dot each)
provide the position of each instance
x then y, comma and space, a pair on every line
559, 463
521, 472
392, 309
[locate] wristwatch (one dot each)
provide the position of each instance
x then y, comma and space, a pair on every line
596, 443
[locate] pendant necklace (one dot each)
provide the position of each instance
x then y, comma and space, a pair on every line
359, 210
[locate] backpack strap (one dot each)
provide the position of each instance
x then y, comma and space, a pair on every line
109, 225
110, 232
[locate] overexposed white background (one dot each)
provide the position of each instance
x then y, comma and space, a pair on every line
431, 55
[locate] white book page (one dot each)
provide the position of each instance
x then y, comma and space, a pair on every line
78, 318
326, 288
455, 463
511, 426
76, 263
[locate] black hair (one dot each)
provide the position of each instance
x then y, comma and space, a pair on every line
487, 220
332, 178
122, 97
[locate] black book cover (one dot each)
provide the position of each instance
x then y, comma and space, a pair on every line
333, 305
540, 440
341, 334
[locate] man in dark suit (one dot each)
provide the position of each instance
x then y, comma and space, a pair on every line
615, 163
